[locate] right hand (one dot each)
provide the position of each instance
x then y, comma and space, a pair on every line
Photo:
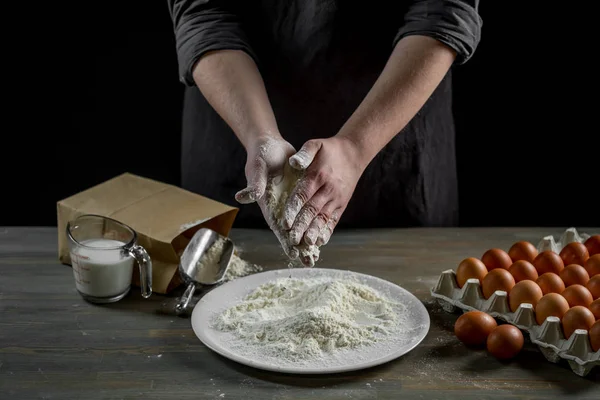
267, 157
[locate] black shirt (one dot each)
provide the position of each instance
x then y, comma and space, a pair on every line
319, 58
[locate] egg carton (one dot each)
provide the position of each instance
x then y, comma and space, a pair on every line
570, 235
549, 336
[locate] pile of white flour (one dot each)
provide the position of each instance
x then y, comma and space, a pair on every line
300, 320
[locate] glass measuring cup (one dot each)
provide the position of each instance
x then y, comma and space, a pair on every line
103, 252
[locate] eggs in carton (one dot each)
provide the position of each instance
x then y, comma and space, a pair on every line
548, 336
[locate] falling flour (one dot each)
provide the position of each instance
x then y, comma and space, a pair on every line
297, 320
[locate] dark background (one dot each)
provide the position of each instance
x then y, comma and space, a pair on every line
101, 96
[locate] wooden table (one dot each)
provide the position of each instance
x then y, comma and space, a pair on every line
54, 345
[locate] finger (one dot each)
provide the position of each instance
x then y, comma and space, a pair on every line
290, 251
247, 195
317, 224
309, 260
327, 230
308, 213
302, 193
304, 157
257, 183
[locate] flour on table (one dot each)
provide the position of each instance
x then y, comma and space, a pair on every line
277, 194
296, 320
237, 266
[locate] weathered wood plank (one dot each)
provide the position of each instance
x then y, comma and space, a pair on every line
54, 345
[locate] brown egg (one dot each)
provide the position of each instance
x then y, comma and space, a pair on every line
496, 258
593, 285
473, 327
497, 279
550, 283
595, 308
595, 336
470, 268
522, 250
522, 270
524, 292
577, 295
577, 317
574, 253
504, 342
551, 304
548, 261
574, 274
592, 265
593, 245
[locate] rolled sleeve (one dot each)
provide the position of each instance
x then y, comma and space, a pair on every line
455, 23
201, 26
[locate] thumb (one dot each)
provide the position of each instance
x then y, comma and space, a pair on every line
257, 182
305, 156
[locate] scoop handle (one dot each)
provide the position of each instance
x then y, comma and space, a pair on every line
184, 301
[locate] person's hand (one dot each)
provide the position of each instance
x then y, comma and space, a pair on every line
332, 167
265, 163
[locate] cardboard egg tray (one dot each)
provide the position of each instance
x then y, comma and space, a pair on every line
549, 336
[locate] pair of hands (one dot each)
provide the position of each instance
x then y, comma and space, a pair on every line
332, 169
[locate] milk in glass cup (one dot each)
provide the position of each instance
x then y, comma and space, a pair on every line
103, 252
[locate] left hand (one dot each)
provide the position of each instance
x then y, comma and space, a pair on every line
266, 158
333, 167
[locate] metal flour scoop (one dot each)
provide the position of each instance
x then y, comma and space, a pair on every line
204, 262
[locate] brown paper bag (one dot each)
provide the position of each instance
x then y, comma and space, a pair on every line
164, 216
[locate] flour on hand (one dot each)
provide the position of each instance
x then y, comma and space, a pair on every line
276, 195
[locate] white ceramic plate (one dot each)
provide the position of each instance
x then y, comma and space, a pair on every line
414, 327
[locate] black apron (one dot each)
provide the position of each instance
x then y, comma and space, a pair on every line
317, 68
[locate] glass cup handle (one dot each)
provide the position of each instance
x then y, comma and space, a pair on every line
145, 263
